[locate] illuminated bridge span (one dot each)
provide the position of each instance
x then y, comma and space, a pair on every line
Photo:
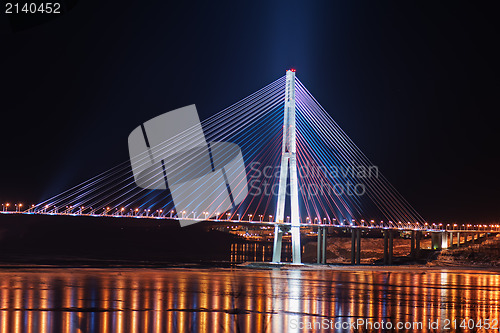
302, 171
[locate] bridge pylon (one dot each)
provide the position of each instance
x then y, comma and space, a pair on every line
288, 163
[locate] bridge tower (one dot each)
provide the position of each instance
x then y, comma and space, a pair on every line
288, 163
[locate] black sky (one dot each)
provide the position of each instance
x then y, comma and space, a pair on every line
415, 85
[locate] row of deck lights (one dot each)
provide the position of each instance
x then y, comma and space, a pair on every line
107, 211
18, 207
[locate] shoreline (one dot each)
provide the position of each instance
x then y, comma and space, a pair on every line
419, 269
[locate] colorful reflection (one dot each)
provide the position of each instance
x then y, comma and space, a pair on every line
242, 300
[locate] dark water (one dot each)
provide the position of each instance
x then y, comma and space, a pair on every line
241, 300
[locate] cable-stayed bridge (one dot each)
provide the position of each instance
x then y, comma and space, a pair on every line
301, 168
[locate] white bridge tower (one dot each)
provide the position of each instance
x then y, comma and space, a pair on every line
288, 162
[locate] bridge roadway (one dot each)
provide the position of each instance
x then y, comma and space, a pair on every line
441, 238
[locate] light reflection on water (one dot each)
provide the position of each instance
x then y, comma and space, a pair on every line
259, 251
237, 300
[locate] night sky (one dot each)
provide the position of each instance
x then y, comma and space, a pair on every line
415, 85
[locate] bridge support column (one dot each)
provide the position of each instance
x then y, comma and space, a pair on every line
451, 240
444, 240
278, 236
358, 246
319, 246
353, 247
458, 239
413, 241
324, 246
386, 248
417, 241
436, 240
391, 247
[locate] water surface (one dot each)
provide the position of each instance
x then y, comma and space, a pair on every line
241, 300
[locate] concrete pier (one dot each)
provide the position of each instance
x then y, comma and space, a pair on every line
388, 247
416, 237
391, 246
323, 257
321, 246
412, 244
417, 241
353, 247
358, 246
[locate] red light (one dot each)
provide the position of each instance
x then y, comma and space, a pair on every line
292, 69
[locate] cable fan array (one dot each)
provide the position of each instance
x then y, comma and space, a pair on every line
338, 185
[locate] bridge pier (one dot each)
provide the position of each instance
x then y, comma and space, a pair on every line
438, 240
435, 243
278, 236
321, 246
412, 246
451, 240
358, 247
391, 246
324, 246
419, 238
458, 240
318, 246
415, 243
388, 247
353, 247
444, 240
